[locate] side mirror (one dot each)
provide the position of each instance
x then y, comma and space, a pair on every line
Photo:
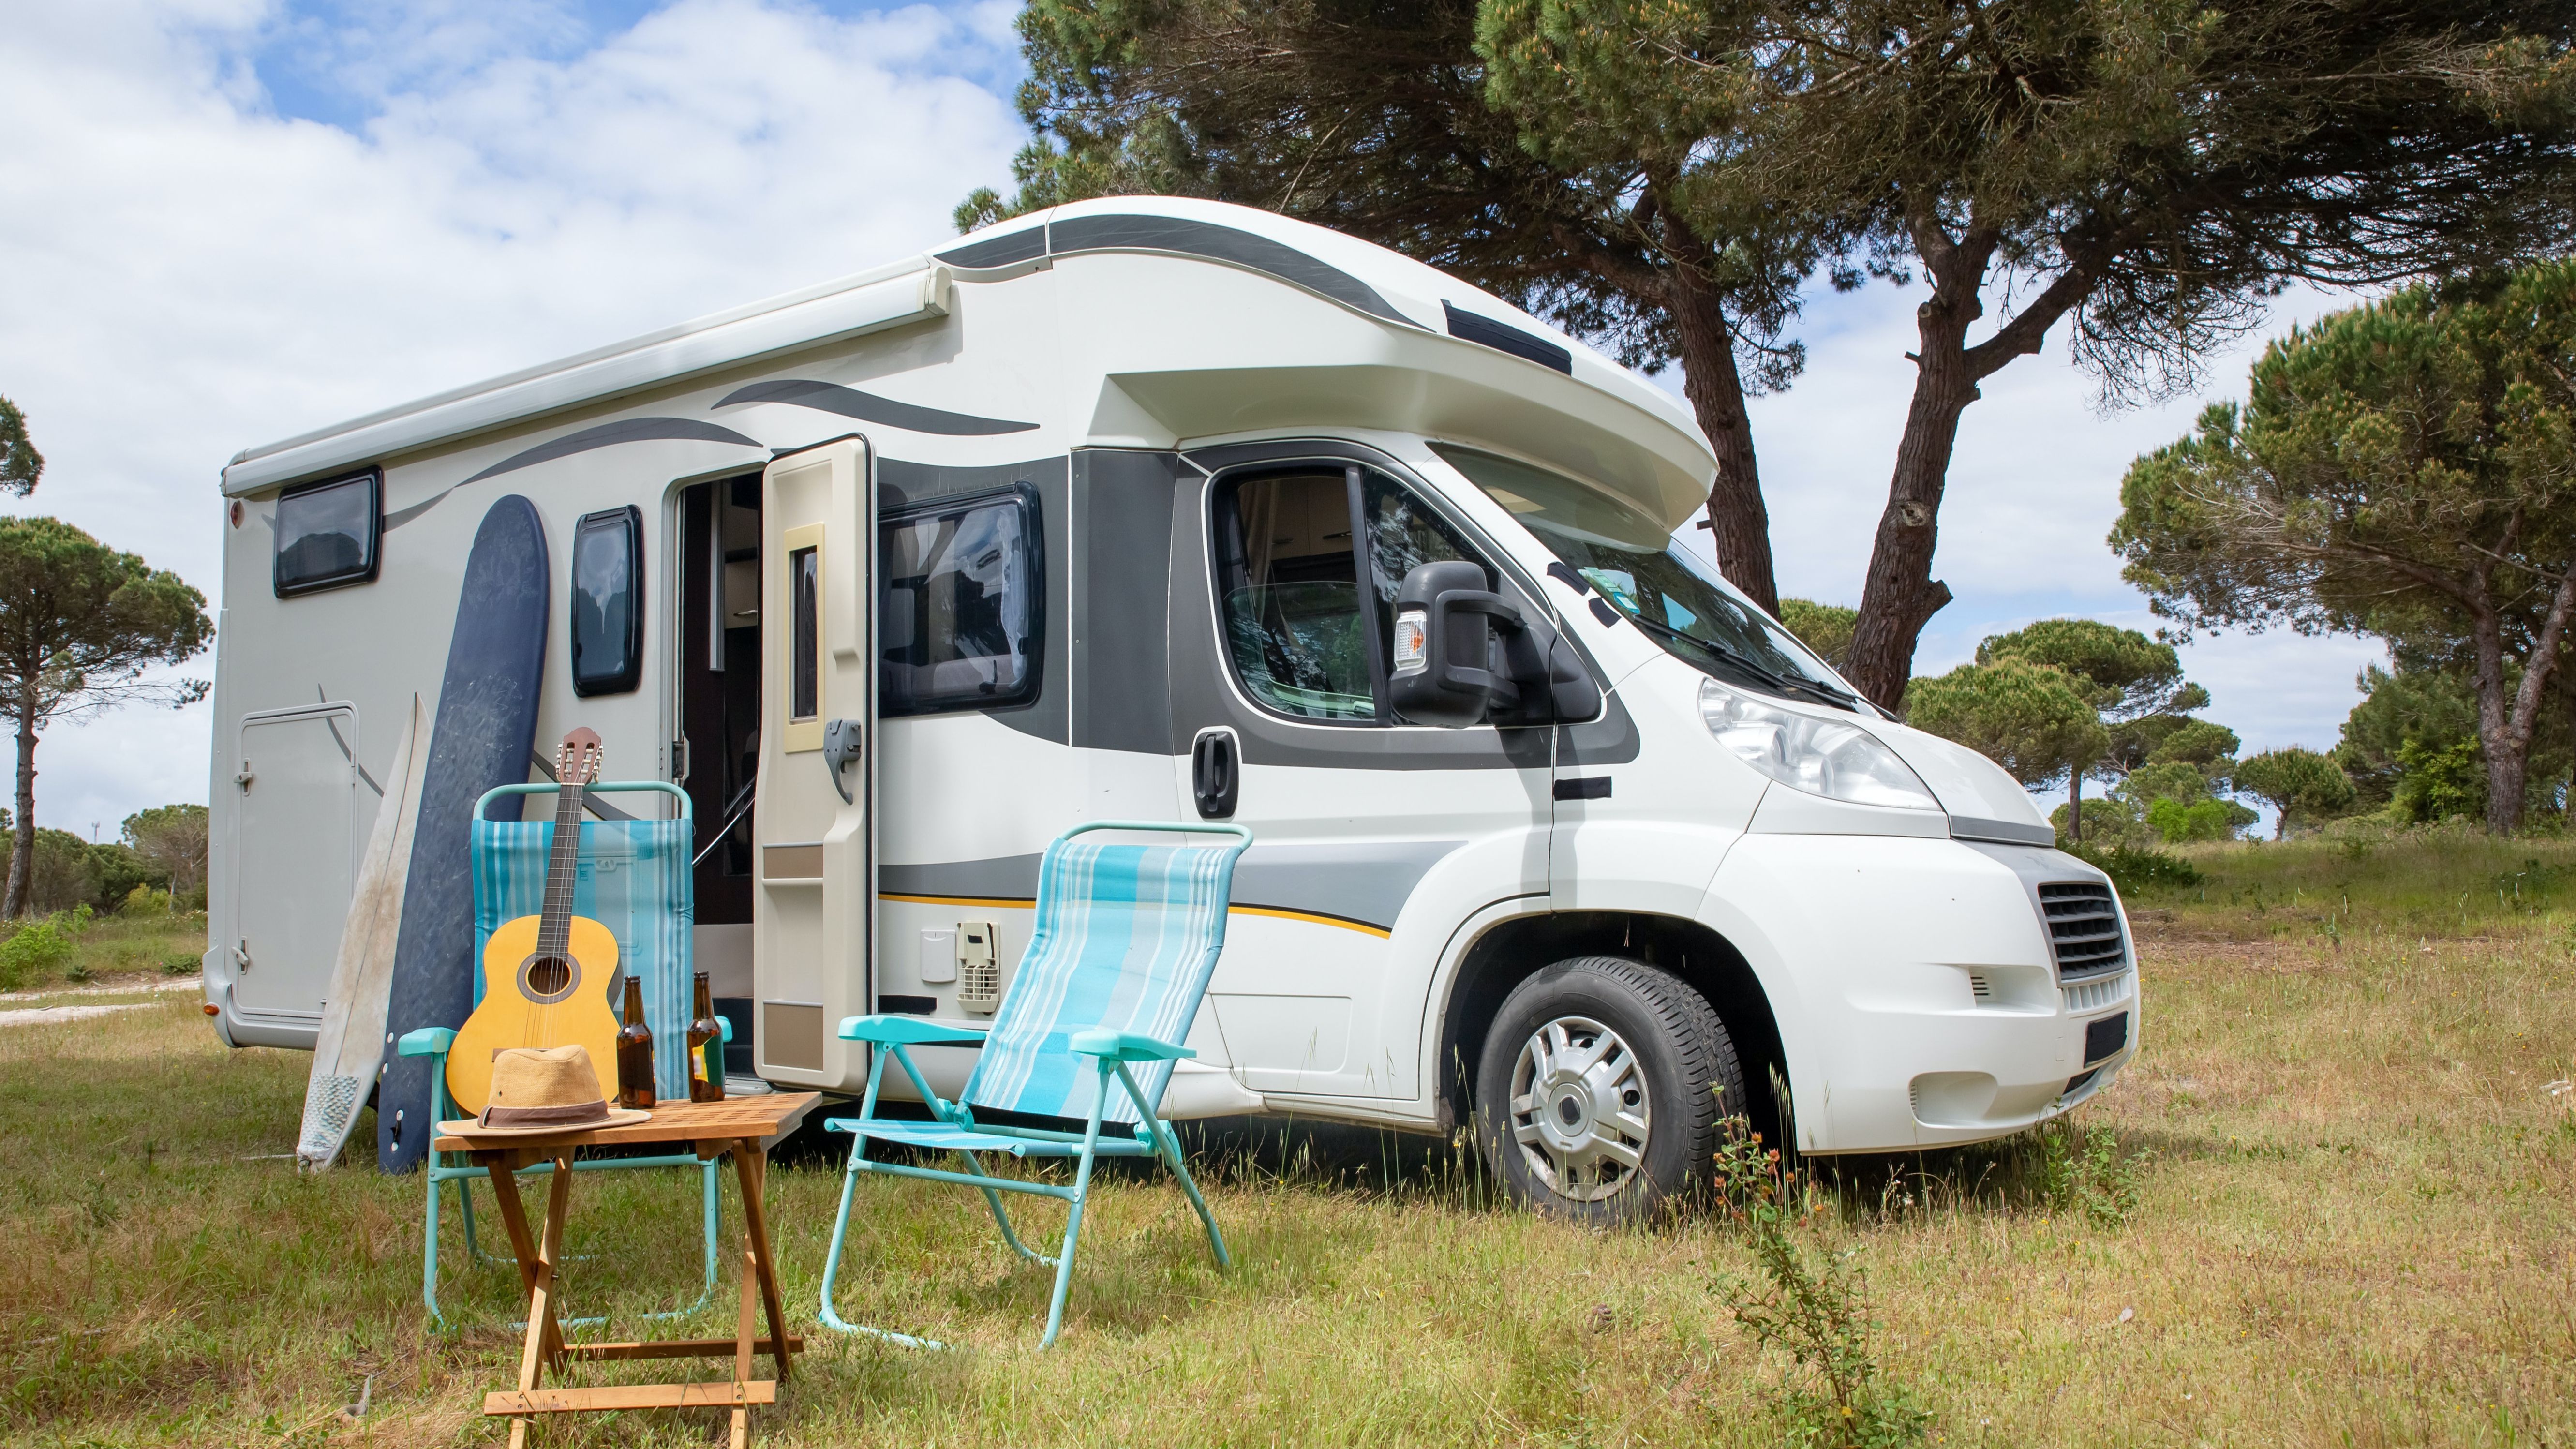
1443, 671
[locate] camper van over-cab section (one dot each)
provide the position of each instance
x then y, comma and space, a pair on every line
1152, 509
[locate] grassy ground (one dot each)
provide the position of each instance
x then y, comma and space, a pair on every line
115, 950
2337, 1212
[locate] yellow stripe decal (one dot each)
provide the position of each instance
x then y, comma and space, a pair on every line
1022, 903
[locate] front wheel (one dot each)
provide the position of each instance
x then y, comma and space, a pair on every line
1602, 1088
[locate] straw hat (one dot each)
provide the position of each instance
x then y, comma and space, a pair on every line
536, 1092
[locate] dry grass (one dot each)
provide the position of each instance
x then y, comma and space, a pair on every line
2353, 1203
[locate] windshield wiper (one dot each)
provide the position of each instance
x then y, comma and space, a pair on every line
1740, 660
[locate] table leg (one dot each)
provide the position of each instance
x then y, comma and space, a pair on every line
751, 1166
742, 1351
514, 1216
544, 1343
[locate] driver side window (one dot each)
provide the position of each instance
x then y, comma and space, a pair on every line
1307, 593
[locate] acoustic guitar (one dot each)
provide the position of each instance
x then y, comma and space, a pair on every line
545, 977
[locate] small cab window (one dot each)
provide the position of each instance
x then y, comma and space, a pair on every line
1307, 638
961, 612
608, 601
327, 534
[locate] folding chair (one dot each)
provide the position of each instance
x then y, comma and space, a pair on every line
1126, 938
635, 880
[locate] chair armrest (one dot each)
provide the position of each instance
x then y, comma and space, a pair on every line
1127, 1046
429, 1041
908, 1031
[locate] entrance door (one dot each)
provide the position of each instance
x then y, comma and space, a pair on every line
295, 856
814, 890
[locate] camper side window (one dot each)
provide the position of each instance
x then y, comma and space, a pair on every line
607, 601
961, 613
327, 534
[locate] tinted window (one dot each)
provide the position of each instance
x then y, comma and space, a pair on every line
1288, 580
960, 613
326, 535
1403, 534
1677, 601
608, 602
805, 634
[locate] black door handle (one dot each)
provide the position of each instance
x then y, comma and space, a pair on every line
1215, 776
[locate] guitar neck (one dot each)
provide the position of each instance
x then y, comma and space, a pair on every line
554, 922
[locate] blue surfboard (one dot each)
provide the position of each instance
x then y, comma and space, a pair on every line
485, 730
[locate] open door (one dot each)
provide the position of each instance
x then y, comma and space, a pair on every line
814, 889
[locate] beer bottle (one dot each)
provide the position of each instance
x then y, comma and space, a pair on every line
706, 1047
634, 1050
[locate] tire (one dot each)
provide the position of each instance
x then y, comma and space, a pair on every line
1619, 1132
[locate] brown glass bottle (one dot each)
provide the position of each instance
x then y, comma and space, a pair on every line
706, 1047
635, 1051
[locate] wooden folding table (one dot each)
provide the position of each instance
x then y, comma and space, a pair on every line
743, 1126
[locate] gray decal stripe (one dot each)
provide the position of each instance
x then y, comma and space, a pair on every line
867, 407
401, 516
1024, 245
1367, 883
1504, 337
1218, 243
630, 430
334, 726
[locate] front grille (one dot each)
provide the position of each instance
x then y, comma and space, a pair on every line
2083, 929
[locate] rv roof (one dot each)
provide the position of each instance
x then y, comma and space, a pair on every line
1395, 290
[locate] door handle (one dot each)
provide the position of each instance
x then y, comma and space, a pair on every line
840, 752
1216, 774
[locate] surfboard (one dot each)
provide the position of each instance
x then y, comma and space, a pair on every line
486, 726
351, 1047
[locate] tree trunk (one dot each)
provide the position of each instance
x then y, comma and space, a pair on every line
1899, 593
22, 848
2505, 727
2075, 806
1738, 524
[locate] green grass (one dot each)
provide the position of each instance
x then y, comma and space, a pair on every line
2335, 1197
121, 949
2451, 881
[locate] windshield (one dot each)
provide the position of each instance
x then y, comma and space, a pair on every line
1675, 599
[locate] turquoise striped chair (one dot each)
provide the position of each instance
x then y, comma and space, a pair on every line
1126, 938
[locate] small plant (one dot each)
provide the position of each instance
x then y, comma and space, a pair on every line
2137, 869
1810, 1310
32, 950
2083, 1171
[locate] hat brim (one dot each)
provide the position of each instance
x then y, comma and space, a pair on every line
617, 1117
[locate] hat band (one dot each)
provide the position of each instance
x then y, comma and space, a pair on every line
573, 1115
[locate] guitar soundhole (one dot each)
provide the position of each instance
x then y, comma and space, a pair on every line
547, 978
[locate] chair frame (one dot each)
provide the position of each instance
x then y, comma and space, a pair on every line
446, 1167
1111, 1052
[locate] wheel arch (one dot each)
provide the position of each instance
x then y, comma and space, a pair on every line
1516, 948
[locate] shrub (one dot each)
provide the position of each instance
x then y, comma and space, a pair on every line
2136, 870
32, 950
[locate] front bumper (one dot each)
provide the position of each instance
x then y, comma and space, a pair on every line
1916, 989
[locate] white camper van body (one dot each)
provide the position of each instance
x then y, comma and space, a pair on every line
1092, 379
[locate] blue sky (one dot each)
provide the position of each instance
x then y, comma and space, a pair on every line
227, 221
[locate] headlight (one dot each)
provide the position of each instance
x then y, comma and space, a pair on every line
1807, 752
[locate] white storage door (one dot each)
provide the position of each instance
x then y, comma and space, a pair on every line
295, 856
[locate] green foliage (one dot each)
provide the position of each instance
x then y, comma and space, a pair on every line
80, 627
2083, 1171
2439, 782
2109, 821
2306, 787
2131, 674
2200, 820
2427, 705
33, 949
2198, 742
20, 464
1825, 628
2137, 869
1810, 1310
2405, 468
172, 839
2035, 721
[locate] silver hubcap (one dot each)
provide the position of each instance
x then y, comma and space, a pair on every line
1579, 1109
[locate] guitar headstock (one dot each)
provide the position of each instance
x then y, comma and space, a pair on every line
577, 759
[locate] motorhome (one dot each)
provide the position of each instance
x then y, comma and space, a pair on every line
1170, 510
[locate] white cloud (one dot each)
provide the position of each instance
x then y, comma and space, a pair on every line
193, 271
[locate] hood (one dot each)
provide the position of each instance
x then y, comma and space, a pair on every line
1984, 802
